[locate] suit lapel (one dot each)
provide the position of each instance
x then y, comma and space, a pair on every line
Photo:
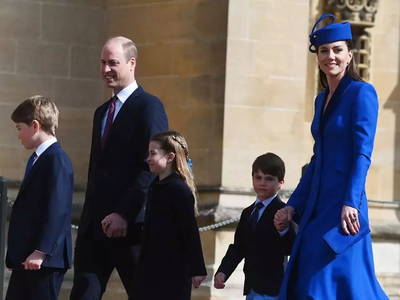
334, 102
267, 215
125, 111
35, 166
246, 217
97, 125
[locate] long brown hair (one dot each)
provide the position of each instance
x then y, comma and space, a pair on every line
174, 142
351, 68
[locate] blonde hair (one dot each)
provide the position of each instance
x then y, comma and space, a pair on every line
38, 108
174, 142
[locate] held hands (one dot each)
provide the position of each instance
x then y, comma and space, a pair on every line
350, 222
219, 280
283, 218
197, 280
34, 261
114, 225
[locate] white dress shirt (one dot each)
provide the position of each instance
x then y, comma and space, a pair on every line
43, 147
122, 96
266, 202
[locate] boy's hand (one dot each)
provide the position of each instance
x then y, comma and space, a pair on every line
105, 224
34, 261
219, 280
197, 280
282, 219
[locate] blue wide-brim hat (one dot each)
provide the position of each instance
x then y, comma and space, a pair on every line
333, 32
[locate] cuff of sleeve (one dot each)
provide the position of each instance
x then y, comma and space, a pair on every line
282, 233
351, 204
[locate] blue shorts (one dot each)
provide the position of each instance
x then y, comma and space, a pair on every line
254, 296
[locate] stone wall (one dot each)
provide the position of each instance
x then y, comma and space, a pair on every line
265, 88
50, 48
385, 71
182, 54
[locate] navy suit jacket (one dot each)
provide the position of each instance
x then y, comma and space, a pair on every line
263, 250
119, 176
41, 215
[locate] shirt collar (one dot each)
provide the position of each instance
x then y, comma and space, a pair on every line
43, 146
266, 202
127, 91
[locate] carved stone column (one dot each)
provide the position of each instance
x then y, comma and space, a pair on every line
357, 12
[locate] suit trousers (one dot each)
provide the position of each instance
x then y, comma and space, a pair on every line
42, 284
94, 262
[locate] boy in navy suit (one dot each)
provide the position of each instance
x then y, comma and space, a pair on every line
39, 238
257, 240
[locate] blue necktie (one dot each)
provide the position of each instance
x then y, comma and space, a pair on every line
29, 165
254, 216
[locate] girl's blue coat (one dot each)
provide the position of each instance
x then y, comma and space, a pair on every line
344, 138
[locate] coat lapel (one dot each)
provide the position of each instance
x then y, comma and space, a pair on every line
123, 113
97, 125
334, 102
35, 166
268, 214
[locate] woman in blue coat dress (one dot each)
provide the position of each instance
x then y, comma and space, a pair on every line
332, 257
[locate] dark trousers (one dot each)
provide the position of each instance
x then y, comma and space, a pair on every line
43, 284
94, 262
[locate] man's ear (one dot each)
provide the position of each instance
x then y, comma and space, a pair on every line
132, 63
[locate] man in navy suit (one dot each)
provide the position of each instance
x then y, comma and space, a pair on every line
118, 177
39, 238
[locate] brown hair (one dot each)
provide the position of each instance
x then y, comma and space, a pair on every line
130, 50
37, 108
351, 68
173, 141
271, 164
128, 47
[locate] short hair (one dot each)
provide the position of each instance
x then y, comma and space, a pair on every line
37, 108
130, 50
269, 163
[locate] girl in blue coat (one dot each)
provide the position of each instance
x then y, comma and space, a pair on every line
332, 257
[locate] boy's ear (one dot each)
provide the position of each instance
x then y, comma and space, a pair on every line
36, 126
281, 184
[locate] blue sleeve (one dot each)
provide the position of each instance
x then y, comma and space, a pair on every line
60, 184
364, 121
298, 200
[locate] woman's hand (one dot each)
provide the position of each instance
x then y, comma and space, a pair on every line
350, 222
283, 218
